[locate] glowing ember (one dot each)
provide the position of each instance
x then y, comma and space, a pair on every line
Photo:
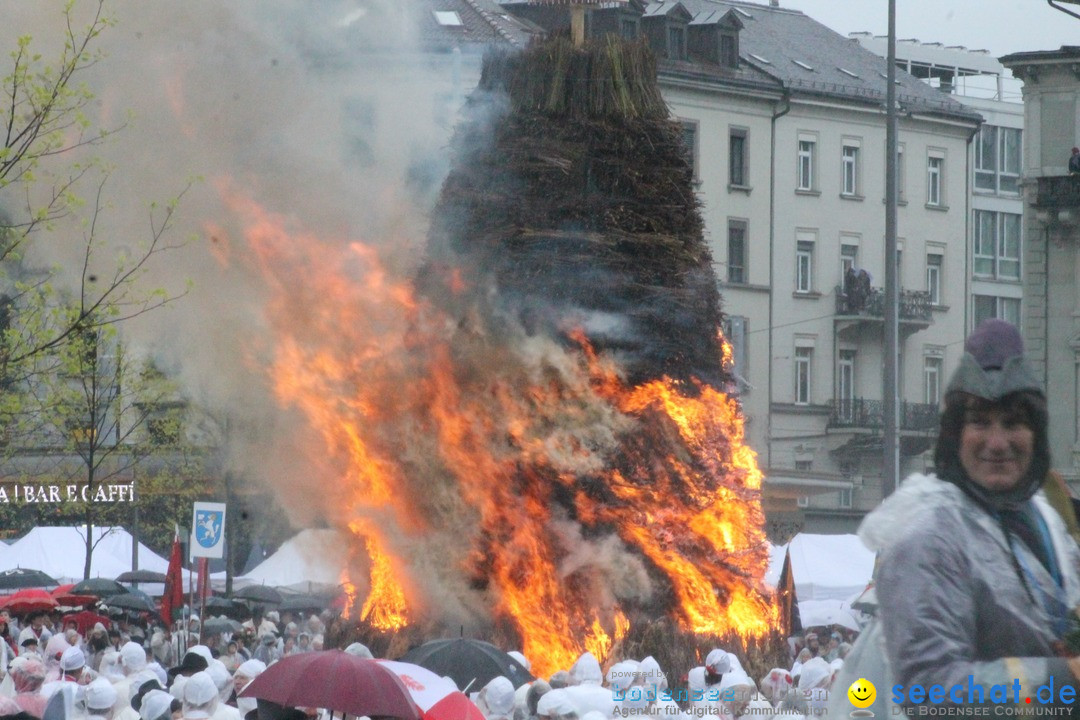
524, 466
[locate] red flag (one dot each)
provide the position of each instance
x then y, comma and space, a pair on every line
174, 583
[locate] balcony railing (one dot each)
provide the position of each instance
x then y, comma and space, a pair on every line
1062, 191
914, 304
870, 414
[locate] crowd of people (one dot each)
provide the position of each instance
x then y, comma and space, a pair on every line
134, 669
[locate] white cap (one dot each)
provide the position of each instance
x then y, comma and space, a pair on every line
100, 695
250, 669
132, 657
218, 673
72, 659
499, 696
155, 705
200, 689
522, 660
717, 661
202, 650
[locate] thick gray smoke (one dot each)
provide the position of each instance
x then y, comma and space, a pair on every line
326, 116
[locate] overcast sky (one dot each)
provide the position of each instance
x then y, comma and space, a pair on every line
1000, 26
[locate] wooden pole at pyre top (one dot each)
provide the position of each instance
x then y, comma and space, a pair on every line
577, 14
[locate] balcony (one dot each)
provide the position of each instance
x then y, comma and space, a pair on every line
870, 414
864, 420
855, 310
1058, 193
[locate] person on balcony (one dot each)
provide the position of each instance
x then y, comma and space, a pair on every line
1074, 161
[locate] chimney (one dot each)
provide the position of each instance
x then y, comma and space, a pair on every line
774, 3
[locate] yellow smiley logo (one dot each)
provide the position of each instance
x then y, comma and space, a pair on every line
862, 693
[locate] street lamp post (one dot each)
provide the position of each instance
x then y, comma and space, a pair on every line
890, 470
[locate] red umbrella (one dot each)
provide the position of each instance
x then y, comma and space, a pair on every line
336, 681
438, 697
85, 621
64, 596
29, 600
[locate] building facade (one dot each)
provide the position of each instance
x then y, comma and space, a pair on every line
1051, 274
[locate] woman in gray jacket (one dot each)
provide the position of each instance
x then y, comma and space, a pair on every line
978, 581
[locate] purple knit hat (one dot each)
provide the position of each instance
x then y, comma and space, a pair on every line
994, 342
993, 364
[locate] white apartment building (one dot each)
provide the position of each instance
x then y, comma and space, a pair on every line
979, 81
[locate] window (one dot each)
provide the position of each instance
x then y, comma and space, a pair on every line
997, 159
690, 136
803, 501
845, 384
934, 167
677, 43
806, 165
851, 170
932, 380
804, 465
737, 174
803, 355
628, 28
933, 277
845, 499
736, 246
989, 306
997, 244
848, 258
729, 50
804, 266
735, 329
447, 18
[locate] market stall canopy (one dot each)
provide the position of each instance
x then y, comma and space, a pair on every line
61, 553
824, 567
311, 562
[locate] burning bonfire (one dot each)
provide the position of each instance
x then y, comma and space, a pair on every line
534, 440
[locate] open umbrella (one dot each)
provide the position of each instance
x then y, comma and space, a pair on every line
438, 697
99, 587
29, 600
25, 578
140, 576
337, 681
218, 625
471, 663
64, 596
258, 593
131, 602
85, 620
297, 603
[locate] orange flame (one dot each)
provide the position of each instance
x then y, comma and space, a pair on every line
438, 430
350, 594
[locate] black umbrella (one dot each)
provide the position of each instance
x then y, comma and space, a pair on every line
218, 625
99, 587
130, 601
470, 663
25, 578
259, 593
141, 576
297, 603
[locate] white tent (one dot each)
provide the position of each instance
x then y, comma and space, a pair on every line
310, 561
825, 567
61, 553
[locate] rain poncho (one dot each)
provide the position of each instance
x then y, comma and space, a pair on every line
952, 601
586, 669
